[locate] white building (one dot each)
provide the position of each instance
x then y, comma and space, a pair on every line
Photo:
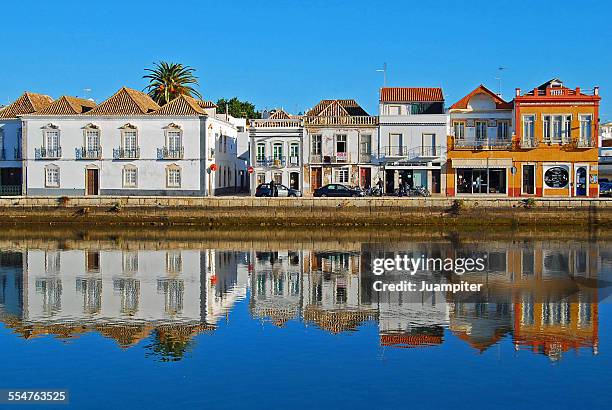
10, 139
340, 135
413, 132
276, 150
128, 145
481, 121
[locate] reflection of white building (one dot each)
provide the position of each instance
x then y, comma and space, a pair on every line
276, 285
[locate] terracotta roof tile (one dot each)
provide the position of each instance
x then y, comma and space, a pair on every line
182, 105
126, 101
411, 94
500, 104
206, 104
27, 103
280, 115
341, 107
67, 105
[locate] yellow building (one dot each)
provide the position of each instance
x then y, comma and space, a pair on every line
552, 151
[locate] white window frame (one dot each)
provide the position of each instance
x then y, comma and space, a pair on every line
52, 176
260, 149
503, 127
528, 133
93, 132
459, 125
174, 176
482, 137
126, 170
294, 153
339, 173
316, 144
582, 120
48, 131
342, 138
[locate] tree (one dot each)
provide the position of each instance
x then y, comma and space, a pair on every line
237, 108
169, 80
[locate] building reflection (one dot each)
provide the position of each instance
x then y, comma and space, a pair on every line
169, 295
539, 295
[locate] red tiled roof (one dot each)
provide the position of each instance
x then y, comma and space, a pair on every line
27, 103
411, 94
500, 104
182, 105
348, 107
67, 105
126, 101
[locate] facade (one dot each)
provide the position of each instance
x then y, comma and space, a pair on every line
340, 137
276, 145
480, 122
412, 142
553, 151
10, 139
128, 145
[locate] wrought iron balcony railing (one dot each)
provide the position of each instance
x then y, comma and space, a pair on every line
275, 162
167, 153
88, 153
529, 143
47, 153
340, 157
585, 143
122, 153
487, 144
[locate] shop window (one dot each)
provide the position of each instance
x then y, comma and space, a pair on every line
556, 177
481, 181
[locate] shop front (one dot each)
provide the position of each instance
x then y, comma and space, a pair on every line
412, 177
482, 177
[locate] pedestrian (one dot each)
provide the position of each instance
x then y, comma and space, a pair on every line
272, 187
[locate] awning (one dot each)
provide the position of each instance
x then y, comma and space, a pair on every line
481, 163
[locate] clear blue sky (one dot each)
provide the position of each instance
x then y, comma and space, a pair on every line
291, 54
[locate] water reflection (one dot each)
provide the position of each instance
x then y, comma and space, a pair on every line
542, 294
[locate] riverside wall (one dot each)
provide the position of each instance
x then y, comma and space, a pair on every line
250, 211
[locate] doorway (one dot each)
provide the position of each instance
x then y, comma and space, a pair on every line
294, 180
316, 178
92, 181
365, 178
581, 181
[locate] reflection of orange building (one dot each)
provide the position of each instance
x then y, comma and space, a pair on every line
556, 327
552, 152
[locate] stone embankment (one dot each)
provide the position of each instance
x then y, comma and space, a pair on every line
243, 211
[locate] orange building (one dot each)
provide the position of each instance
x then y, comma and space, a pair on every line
552, 151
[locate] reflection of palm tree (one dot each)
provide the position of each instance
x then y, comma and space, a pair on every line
171, 343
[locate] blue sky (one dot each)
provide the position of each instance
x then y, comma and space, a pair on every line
291, 54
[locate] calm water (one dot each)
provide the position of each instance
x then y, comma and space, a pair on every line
269, 320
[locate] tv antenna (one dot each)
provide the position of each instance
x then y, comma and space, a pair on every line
384, 71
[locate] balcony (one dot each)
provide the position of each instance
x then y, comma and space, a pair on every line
528, 143
294, 161
273, 162
166, 153
44, 153
365, 158
339, 158
585, 143
10, 190
422, 153
476, 145
122, 153
88, 153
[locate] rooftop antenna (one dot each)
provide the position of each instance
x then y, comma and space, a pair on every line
500, 69
384, 71
85, 92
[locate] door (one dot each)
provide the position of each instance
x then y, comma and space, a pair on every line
529, 179
365, 177
389, 181
294, 180
435, 181
93, 182
316, 178
581, 181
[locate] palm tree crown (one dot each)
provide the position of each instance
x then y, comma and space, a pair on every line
169, 80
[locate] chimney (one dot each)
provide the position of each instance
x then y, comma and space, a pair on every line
517, 92
577, 90
596, 90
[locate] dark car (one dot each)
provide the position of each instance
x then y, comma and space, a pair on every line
264, 190
338, 190
605, 187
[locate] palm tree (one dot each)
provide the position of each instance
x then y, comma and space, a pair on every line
169, 80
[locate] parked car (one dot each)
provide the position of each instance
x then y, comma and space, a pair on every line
264, 190
605, 187
338, 190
